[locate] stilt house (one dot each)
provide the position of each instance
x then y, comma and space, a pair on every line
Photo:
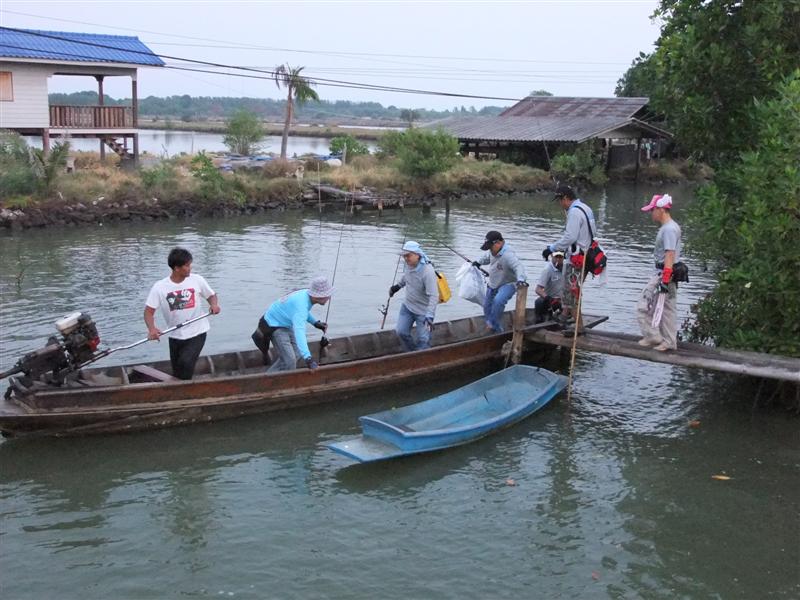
29, 58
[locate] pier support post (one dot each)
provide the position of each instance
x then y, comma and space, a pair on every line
519, 324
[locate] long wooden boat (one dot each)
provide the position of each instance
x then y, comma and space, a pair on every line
135, 397
457, 417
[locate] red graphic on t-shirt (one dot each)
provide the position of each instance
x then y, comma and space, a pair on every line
181, 299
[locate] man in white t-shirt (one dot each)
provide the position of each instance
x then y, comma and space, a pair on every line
178, 297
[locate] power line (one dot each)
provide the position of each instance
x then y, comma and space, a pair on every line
243, 46
315, 80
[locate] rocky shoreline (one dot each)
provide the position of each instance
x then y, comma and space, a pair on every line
57, 213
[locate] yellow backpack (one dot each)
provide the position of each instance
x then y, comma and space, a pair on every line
444, 287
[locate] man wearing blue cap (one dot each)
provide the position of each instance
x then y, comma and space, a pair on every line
422, 296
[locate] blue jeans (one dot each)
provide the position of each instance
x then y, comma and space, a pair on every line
283, 341
495, 304
405, 320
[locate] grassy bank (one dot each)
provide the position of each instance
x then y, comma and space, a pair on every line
190, 186
328, 131
664, 171
412, 166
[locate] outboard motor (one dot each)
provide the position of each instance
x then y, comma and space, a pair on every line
60, 357
80, 337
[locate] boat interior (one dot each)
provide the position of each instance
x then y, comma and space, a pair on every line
343, 349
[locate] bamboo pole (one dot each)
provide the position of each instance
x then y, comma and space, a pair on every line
578, 325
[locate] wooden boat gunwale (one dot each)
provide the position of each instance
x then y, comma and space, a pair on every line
134, 406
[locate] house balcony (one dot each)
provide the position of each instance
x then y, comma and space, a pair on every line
92, 117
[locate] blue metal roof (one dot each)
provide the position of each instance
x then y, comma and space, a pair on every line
75, 47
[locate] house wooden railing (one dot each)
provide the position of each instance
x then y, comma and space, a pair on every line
91, 117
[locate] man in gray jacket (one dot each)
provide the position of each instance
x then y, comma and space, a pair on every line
422, 296
574, 242
506, 273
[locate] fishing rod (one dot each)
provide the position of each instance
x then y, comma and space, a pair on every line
105, 353
384, 310
323, 343
453, 250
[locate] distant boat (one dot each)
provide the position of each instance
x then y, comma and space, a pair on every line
458, 417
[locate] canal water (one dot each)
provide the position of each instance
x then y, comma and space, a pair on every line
169, 143
610, 496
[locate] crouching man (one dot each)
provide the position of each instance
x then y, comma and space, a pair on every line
287, 320
550, 288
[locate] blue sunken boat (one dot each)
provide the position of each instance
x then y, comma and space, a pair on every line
454, 418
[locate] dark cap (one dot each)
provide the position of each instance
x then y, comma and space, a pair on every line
491, 238
564, 191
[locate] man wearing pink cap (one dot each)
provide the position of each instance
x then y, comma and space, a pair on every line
661, 334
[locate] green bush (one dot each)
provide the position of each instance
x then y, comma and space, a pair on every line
160, 177
25, 170
16, 180
245, 131
423, 153
583, 164
749, 223
16, 176
389, 143
211, 181
354, 147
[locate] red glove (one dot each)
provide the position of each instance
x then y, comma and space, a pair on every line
666, 275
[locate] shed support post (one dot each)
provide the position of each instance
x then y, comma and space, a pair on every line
638, 159
100, 94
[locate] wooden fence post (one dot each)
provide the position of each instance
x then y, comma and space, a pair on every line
519, 324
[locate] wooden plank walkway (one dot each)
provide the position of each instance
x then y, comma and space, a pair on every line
698, 356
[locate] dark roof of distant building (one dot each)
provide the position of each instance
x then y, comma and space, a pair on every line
571, 106
71, 46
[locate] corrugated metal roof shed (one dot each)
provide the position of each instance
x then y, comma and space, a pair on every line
75, 47
536, 129
568, 106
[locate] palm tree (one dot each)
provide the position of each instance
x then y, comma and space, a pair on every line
299, 89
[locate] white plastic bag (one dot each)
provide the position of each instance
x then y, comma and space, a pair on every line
470, 284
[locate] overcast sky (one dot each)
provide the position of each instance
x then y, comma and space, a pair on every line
505, 49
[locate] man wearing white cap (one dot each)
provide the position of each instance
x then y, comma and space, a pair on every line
287, 318
550, 287
663, 335
422, 297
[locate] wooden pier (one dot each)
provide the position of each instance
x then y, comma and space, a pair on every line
754, 364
